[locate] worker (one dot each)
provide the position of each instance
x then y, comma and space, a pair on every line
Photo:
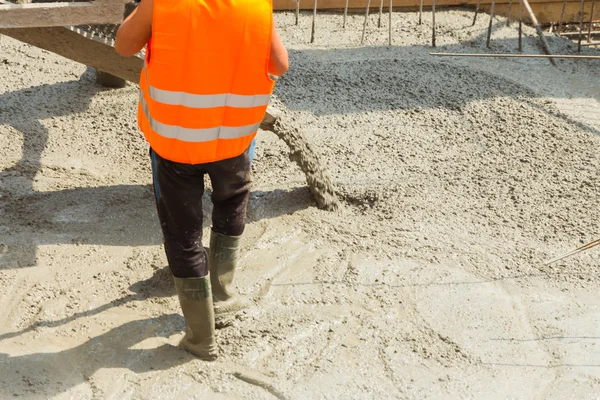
210, 69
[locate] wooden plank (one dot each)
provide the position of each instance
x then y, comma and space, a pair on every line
550, 12
61, 14
69, 44
546, 10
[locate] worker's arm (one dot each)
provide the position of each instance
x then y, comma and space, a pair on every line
278, 62
136, 30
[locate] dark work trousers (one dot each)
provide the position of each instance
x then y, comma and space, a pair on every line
178, 190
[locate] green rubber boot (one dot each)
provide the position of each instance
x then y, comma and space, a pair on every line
197, 306
223, 256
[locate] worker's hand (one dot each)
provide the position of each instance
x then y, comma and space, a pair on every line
278, 60
136, 30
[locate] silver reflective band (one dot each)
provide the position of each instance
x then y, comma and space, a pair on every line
196, 135
206, 100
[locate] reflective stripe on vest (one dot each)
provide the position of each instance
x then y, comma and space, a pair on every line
196, 135
205, 86
205, 100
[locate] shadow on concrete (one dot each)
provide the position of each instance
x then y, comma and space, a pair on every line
160, 284
24, 109
120, 215
52, 373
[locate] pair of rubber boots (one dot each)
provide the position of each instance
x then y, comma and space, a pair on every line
211, 299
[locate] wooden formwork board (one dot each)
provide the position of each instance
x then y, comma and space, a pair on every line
546, 11
60, 13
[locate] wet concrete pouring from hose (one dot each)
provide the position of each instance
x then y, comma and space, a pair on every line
317, 177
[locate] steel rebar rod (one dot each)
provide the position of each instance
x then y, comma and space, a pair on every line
520, 25
589, 39
509, 11
489, 32
380, 13
562, 16
573, 252
577, 33
476, 12
580, 26
420, 12
433, 23
362, 39
297, 11
390, 25
538, 29
312, 31
345, 14
508, 55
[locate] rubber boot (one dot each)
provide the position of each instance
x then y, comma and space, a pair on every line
223, 256
197, 306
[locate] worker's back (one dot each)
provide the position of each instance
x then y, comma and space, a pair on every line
206, 85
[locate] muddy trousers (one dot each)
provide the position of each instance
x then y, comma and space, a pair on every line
178, 190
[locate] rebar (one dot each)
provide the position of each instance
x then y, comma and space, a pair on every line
562, 16
297, 11
508, 55
420, 12
390, 24
577, 33
362, 39
380, 12
476, 12
577, 250
580, 26
520, 25
509, 11
433, 23
591, 22
538, 29
345, 14
312, 32
489, 32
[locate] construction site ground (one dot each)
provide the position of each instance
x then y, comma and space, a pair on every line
458, 178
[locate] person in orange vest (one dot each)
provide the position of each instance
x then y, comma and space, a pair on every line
210, 69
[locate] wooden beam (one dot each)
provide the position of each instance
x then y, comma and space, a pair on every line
61, 14
70, 44
550, 12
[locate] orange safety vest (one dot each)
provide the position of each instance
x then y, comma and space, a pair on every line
205, 86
